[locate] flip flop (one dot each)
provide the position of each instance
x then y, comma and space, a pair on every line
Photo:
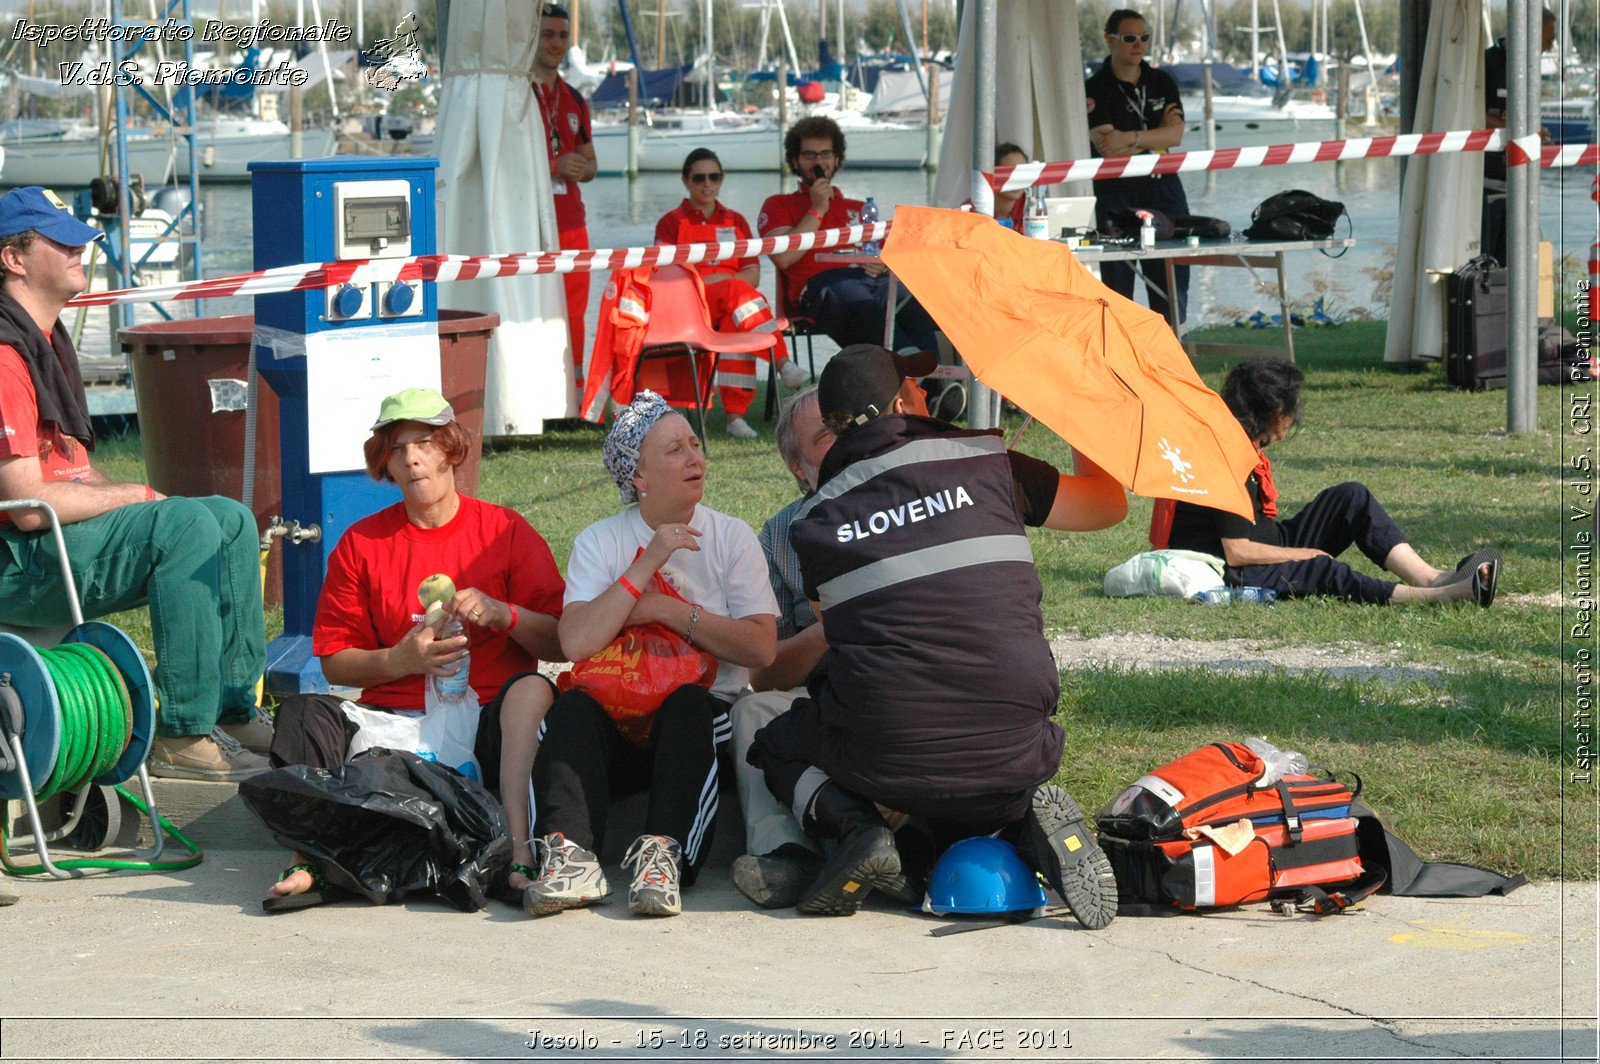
306, 899
319, 893
1483, 590
1468, 566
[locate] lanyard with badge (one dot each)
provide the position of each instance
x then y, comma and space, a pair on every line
1138, 103
547, 108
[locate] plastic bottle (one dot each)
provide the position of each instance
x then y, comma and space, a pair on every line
1237, 596
1147, 230
1036, 216
869, 216
453, 684
1280, 763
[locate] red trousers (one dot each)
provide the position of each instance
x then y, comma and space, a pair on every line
737, 306
577, 299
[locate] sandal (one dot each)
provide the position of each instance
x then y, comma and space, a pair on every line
1469, 570
1483, 589
321, 892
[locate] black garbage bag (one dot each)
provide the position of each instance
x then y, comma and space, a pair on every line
388, 824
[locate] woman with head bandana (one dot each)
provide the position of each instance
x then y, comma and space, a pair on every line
727, 609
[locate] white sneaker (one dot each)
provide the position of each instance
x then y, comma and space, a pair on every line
655, 860
569, 876
740, 429
792, 376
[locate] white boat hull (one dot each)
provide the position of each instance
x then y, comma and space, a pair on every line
1254, 131
57, 163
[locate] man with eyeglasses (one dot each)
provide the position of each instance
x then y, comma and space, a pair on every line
848, 303
572, 160
1134, 108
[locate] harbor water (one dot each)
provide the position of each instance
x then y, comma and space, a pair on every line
623, 213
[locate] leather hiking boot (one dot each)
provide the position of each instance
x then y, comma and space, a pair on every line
777, 880
864, 858
200, 757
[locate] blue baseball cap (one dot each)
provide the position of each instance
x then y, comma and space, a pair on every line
41, 210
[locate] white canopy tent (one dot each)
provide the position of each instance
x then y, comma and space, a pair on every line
1442, 194
1037, 91
494, 197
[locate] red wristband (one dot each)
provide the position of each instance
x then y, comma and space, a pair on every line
814, 214
149, 493
628, 587
513, 608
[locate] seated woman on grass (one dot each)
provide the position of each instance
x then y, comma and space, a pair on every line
366, 635
726, 609
1298, 556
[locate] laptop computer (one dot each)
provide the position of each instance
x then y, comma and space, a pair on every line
1069, 213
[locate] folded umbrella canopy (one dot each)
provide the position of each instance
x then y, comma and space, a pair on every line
1103, 372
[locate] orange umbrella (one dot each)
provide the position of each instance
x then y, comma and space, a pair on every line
1104, 372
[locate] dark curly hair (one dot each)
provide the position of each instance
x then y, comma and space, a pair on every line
813, 126
1261, 389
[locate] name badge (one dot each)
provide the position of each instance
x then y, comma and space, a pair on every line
558, 186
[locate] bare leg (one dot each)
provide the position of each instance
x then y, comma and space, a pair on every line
521, 712
296, 882
1407, 564
1460, 591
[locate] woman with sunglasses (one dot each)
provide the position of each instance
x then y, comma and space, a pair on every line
731, 295
1134, 108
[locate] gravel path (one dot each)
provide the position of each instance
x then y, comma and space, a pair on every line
1132, 650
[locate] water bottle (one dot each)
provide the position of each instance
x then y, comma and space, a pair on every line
1280, 763
452, 684
1147, 230
869, 216
1036, 216
1237, 596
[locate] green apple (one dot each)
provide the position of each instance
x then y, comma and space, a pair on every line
437, 588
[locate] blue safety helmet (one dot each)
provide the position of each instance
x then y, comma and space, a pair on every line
982, 875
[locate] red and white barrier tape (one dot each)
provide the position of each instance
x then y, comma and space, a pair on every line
472, 267
1016, 178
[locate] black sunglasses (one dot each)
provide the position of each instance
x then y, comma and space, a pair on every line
1130, 38
700, 179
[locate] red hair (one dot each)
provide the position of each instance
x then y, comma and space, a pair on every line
452, 439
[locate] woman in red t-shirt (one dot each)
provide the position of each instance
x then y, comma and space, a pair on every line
367, 634
732, 298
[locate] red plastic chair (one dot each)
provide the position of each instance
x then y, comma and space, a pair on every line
680, 324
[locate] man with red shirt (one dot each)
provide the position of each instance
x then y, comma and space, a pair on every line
849, 303
195, 561
571, 149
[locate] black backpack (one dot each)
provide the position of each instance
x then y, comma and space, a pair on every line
1295, 215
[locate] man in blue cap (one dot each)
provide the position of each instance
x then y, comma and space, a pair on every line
194, 561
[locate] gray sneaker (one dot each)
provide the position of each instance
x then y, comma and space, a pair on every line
656, 862
777, 880
569, 876
214, 758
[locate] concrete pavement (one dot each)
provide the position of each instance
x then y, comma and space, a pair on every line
1405, 979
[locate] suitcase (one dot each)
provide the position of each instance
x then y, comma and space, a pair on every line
1475, 326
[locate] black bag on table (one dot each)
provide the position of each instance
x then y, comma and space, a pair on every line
1475, 326
1295, 215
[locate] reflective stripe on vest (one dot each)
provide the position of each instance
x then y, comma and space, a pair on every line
940, 449
929, 561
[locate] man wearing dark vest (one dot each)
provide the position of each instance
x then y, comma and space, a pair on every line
940, 686
195, 561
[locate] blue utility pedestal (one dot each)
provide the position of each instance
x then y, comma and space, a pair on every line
326, 210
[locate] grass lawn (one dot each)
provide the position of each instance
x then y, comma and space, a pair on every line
1467, 767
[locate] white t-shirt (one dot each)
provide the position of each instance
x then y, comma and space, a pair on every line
726, 576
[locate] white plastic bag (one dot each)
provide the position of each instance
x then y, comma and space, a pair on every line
444, 732
1183, 573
